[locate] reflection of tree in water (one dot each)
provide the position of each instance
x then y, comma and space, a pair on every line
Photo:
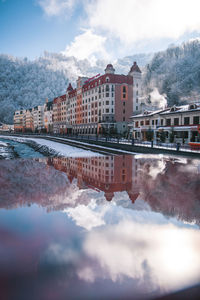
23, 182
174, 191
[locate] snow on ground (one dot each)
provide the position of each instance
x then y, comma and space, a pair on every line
2, 144
6, 152
55, 147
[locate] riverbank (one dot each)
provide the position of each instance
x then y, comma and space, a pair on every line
48, 148
112, 146
7, 151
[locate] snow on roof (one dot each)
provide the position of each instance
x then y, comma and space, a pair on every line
148, 113
169, 110
182, 108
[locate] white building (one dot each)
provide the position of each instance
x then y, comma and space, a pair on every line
175, 124
38, 118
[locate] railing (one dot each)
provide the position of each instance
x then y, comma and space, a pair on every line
117, 140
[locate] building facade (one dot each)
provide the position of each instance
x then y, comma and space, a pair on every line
38, 118
177, 123
102, 104
48, 116
28, 122
59, 115
19, 125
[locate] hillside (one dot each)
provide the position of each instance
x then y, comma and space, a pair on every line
25, 83
175, 73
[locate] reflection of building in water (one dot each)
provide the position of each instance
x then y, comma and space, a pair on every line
168, 185
108, 173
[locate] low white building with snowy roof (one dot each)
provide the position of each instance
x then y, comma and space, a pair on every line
173, 124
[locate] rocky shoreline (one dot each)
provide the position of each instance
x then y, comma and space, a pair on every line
7, 151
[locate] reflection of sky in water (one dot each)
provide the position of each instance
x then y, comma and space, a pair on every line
143, 242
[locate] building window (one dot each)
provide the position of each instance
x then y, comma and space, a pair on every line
107, 94
176, 121
196, 120
123, 119
124, 92
124, 103
161, 122
168, 122
107, 110
136, 100
136, 107
152, 122
107, 88
186, 121
141, 123
124, 111
107, 102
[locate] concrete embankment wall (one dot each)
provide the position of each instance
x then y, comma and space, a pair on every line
111, 147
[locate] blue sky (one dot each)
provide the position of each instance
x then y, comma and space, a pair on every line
95, 28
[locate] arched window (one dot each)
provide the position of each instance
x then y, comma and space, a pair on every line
192, 106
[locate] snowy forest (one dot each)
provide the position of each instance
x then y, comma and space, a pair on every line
24, 83
175, 73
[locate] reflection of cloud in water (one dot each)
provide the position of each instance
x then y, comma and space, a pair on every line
166, 255
89, 216
146, 246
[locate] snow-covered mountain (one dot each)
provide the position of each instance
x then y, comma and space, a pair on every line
175, 72
25, 83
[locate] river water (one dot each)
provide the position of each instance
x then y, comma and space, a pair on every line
17, 149
108, 227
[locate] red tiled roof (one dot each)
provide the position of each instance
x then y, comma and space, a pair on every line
62, 98
113, 78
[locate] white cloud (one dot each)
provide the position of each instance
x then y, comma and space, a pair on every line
135, 20
87, 45
125, 26
57, 7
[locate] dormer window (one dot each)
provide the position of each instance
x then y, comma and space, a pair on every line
173, 108
192, 106
146, 112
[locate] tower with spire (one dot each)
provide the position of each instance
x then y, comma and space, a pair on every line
136, 73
